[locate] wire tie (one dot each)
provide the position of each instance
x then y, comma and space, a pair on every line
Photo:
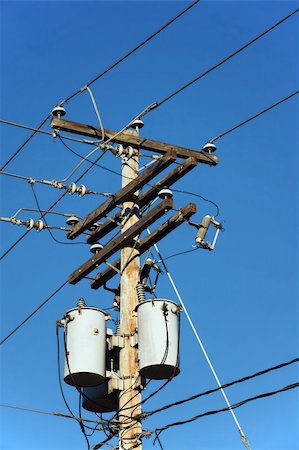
83, 88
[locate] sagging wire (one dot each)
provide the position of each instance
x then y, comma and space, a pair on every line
47, 226
234, 406
72, 188
61, 389
96, 110
224, 386
241, 432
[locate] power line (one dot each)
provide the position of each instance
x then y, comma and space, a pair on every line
242, 434
101, 75
234, 406
254, 116
33, 312
24, 143
220, 63
224, 386
54, 413
130, 52
48, 133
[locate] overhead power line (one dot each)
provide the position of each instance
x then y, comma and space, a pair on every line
33, 312
115, 64
254, 116
223, 61
24, 143
242, 434
224, 386
234, 406
54, 413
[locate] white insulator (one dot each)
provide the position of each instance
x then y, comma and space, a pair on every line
30, 224
94, 226
138, 123
81, 303
39, 225
165, 193
58, 111
209, 147
82, 190
140, 292
95, 248
72, 220
72, 188
130, 151
120, 149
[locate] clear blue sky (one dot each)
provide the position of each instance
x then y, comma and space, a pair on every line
242, 297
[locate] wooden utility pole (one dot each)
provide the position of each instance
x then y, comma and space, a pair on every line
127, 382
130, 397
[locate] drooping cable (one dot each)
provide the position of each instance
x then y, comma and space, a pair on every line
234, 406
223, 61
254, 116
53, 413
96, 111
130, 52
34, 312
224, 386
242, 434
101, 75
24, 143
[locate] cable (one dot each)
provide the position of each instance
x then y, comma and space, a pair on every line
96, 111
61, 390
179, 254
224, 386
199, 196
220, 63
34, 312
101, 75
52, 413
130, 52
242, 434
234, 406
24, 143
50, 232
254, 116
48, 133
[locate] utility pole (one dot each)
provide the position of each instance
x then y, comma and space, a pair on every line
129, 397
127, 382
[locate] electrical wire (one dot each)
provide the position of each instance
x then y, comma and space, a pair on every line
224, 386
62, 393
242, 434
50, 232
52, 413
48, 133
96, 111
100, 76
254, 116
220, 63
24, 143
234, 406
129, 53
33, 312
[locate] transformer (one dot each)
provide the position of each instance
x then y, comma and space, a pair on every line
85, 358
158, 338
97, 399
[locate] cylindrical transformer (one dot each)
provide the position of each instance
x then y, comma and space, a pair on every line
158, 338
97, 399
85, 358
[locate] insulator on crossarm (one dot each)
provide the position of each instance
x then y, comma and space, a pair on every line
58, 111
72, 220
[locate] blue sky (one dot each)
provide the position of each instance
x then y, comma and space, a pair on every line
243, 296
